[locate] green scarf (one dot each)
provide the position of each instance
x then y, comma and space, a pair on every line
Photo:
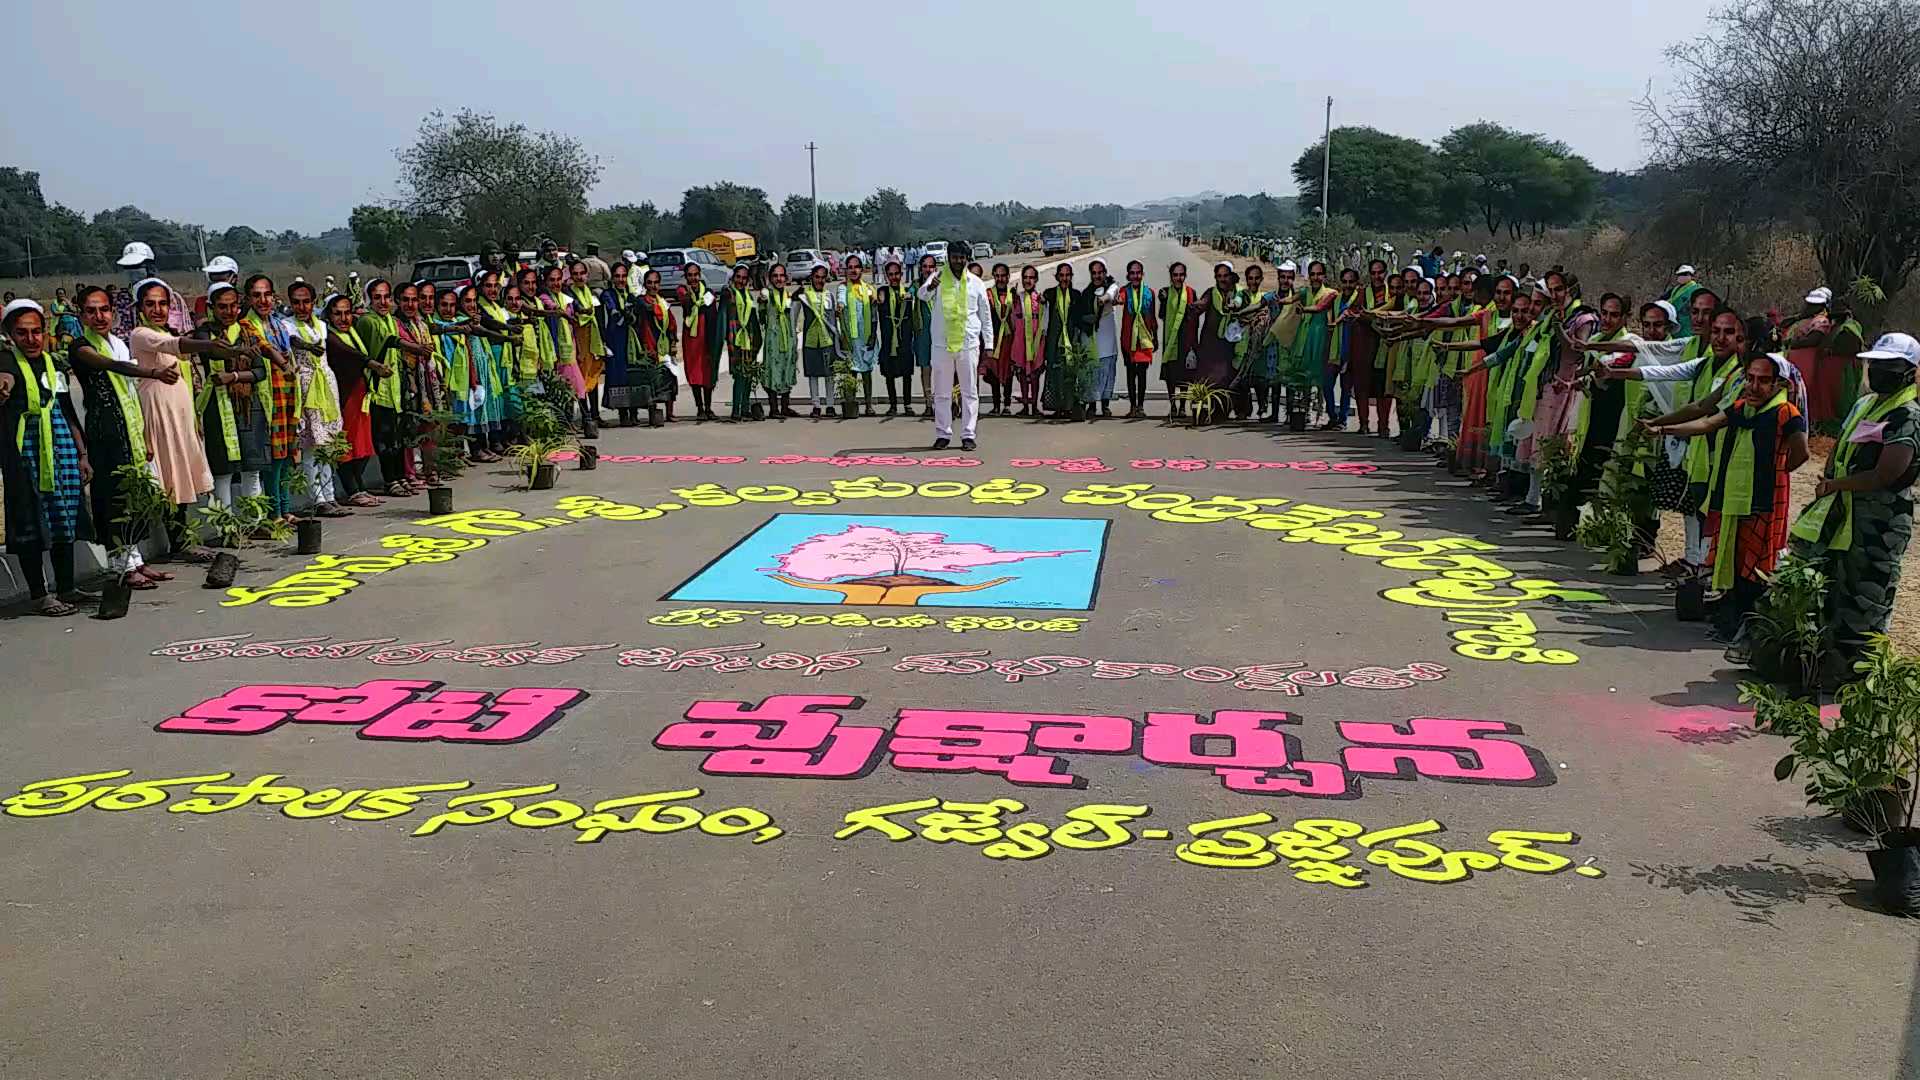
379, 331
817, 336
1138, 299
127, 396
855, 318
1176, 317
1629, 408
1542, 353
1063, 311
895, 314
41, 409
584, 299
953, 308
778, 319
1700, 451
319, 396
742, 320
222, 397
1736, 497
1812, 523
696, 302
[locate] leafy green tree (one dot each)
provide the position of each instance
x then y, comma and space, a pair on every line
305, 254
726, 205
1382, 181
886, 217
623, 226
795, 228
379, 234
495, 181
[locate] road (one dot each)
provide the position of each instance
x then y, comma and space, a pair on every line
1107, 881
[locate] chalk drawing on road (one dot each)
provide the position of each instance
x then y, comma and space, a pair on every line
1048, 563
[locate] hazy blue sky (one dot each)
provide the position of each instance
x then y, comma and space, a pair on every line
286, 123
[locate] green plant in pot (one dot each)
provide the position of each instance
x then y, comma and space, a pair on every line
1553, 460
846, 385
1788, 629
306, 528
1608, 529
1863, 766
535, 455
144, 506
1077, 374
1413, 419
1204, 401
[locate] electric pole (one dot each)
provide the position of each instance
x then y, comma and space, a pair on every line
813, 191
1326, 181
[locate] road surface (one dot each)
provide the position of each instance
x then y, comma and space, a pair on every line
1069, 758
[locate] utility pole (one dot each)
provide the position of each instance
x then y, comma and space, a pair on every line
1326, 180
813, 191
29, 258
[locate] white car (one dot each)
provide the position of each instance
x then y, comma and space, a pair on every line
800, 263
935, 248
983, 251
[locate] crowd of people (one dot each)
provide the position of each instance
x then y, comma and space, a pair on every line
327, 403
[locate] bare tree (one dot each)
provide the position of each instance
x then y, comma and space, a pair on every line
1804, 111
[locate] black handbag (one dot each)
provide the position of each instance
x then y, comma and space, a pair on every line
1669, 486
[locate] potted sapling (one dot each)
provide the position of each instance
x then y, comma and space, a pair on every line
1077, 375
1609, 530
846, 387
448, 464
1863, 765
1788, 630
1553, 456
536, 457
143, 503
307, 532
1204, 400
1413, 419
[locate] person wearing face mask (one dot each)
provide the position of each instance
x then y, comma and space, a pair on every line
1861, 518
43, 460
1763, 440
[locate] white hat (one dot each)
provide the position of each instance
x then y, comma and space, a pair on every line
18, 306
1672, 315
1289, 265
1820, 295
353, 273
1685, 268
1889, 347
136, 254
217, 288
222, 264
1384, 246
1479, 258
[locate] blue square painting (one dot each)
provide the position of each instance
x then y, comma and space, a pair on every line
910, 560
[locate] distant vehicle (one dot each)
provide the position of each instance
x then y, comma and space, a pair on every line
1084, 234
670, 261
728, 247
1027, 240
800, 263
937, 249
447, 271
1055, 236
983, 251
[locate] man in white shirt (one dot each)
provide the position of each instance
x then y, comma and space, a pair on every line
954, 293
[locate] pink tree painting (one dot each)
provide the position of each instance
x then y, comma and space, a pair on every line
870, 564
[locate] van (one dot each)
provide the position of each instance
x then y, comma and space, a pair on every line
729, 247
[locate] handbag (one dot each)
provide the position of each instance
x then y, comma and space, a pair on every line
1669, 486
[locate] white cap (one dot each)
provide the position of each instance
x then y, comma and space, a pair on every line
1685, 268
1889, 347
217, 288
1480, 258
18, 306
1289, 265
222, 264
136, 254
1820, 295
1672, 315
353, 273
627, 254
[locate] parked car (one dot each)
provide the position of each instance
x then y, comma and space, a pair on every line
671, 262
937, 249
800, 263
983, 251
447, 271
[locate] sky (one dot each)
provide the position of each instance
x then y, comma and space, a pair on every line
221, 115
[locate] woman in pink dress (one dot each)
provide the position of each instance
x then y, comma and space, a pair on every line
1026, 339
173, 435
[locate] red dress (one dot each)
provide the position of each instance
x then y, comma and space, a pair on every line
698, 330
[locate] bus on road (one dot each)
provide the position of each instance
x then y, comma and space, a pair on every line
1054, 236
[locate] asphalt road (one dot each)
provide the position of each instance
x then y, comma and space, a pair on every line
1699, 922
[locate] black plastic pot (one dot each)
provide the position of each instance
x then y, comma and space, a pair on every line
544, 474
115, 597
1690, 600
440, 499
656, 416
589, 458
1457, 464
757, 411
1896, 872
1513, 483
1625, 566
1409, 438
221, 571
1296, 422
306, 531
1871, 813
1566, 517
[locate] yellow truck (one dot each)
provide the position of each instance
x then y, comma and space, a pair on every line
1027, 240
728, 247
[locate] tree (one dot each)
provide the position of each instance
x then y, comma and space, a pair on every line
796, 223
887, 218
1505, 177
726, 205
616, 228
241, 241
1382, 181
840, 225
286, 239
497, 182
305, 254
1804, 112
379, 234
